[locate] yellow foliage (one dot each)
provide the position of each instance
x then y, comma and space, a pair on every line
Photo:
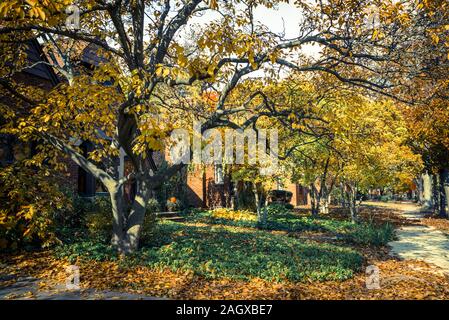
28, 201
234, 215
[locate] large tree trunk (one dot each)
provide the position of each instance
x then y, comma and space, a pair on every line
351, 192
126, 227
446, 188
420, 189
315, 200
343, 195
235, 197
427, 190
135, 219
324, 200
261, 204
443, 192
118, 216
435, 194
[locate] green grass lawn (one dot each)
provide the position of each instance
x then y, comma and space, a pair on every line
234, 248
285, 220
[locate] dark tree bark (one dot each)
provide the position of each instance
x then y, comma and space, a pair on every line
435, 194
315, 200
443, 192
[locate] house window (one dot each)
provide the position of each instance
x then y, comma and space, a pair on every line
99, 187
86, 182
218, 174
6, 149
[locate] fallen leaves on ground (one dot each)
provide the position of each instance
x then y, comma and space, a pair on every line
398, 280
437, 222
372, 211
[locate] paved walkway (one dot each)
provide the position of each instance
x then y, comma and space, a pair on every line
421, 242
27, 288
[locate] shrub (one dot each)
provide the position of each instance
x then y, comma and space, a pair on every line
148, 227
223, 213
280, 196
72, 215
29, 201
371, 234
99, 225
99, 221
153, 206
276, 209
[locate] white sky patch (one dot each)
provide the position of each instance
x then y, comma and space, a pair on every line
284, 19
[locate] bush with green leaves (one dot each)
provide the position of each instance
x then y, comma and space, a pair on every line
173, 204
371, 234
153, 206
276, 209
148, 227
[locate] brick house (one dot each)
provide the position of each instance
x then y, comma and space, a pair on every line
198, 185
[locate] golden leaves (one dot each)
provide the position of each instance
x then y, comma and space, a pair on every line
162, 71
37, 12
213, 4
435, 38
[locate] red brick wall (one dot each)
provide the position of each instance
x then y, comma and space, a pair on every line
69, 180
300, 194
196, 187
303, 195
216, 195
202, 190
292, 187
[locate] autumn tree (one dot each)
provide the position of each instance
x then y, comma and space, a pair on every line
427, 86
152, 55
350, 140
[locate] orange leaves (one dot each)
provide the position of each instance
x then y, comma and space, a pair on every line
399, 280
427, 124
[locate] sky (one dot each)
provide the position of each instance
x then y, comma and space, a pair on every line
284, 18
